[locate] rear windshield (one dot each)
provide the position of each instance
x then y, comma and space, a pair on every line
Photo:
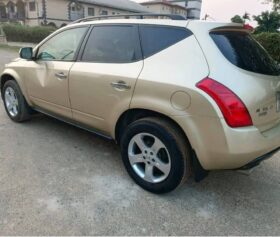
244, 52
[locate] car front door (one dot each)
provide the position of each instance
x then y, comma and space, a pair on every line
102, 80
47, 76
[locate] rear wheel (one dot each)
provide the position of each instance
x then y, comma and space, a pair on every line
15, 103
155, 155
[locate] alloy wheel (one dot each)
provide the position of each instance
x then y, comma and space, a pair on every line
11, 101
149, 158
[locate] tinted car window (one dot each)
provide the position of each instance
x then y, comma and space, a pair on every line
113, 44
244, 52
63, 46
157, 38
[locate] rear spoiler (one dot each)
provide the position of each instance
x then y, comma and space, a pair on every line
243, 27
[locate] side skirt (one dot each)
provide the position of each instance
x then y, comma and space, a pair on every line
73, 123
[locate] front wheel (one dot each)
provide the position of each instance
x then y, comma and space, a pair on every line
15, 103
155, 155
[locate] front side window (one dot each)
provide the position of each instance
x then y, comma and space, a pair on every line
63, 46
113, 44
244, 52
157, 38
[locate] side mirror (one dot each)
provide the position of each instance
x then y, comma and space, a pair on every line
26, 53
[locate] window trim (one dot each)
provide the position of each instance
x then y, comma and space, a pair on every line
87, 27
79, 58
82, 49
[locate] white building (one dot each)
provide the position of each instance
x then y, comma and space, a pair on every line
193, 7
165, 7
61, 12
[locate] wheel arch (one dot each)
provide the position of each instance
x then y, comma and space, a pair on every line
12, 75
4, 78
131, 115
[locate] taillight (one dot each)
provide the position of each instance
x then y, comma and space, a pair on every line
233, 109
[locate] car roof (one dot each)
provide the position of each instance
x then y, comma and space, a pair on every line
179, 23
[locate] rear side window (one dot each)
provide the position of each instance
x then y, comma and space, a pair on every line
113, 44
157, 38
244, 52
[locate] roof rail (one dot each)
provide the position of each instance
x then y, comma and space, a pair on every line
128, 16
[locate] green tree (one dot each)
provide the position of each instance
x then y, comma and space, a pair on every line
238, 19
246, 16
276, 4
268, 22
241, 19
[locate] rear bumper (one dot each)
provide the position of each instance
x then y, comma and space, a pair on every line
259, 160
220, 147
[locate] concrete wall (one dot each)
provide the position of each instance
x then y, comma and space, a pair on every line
165, 9
159, 8
193, 6
3, 39
57, 12
33, 16
98, 10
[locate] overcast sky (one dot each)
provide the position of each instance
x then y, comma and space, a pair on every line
224, 10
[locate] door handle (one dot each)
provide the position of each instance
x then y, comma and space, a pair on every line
61, 76
120, 85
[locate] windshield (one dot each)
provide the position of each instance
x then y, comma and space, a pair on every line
244, 52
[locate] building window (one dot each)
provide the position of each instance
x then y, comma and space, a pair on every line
11, 7
76, 11
103, 12
113, 13
91, 11
32, 6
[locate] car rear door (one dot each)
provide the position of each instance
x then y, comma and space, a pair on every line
102, 81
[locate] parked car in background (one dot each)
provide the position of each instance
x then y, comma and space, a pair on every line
180, 97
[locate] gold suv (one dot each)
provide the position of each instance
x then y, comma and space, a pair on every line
180, 97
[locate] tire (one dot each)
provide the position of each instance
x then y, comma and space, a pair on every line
11, 92
156, 155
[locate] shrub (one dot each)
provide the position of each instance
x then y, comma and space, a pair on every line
20, 33
271, 42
